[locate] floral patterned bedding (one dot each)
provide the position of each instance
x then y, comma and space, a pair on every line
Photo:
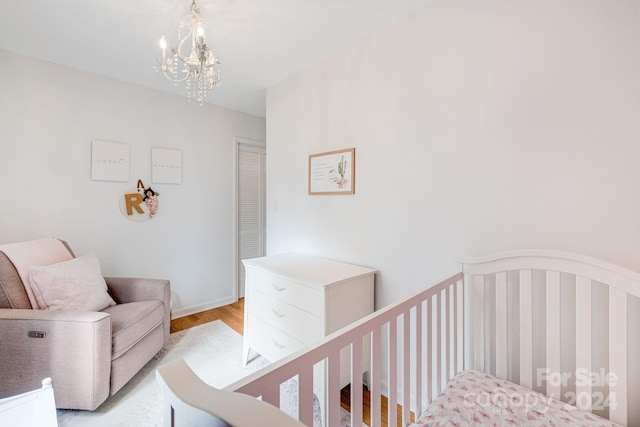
474, 398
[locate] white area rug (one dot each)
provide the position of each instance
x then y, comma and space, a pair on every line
212, 350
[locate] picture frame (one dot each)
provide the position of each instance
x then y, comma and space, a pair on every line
109, 161
332, 172
166, 166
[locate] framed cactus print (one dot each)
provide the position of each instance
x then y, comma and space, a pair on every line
333, 172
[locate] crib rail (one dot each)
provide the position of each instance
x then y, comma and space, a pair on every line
416, 347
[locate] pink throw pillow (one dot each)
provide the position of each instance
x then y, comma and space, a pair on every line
70, 285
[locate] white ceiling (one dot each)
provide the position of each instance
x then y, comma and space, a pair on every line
259, 42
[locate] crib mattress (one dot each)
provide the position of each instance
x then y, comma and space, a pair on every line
474, 398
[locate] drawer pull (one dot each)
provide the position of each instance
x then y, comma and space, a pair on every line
278, 314
278, 345
278, 288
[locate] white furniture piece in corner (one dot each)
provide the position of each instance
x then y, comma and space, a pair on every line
36, 408
293, 300
189, 401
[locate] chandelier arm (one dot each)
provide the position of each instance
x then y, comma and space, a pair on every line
198, 68
182, 59
183, 40
173, 79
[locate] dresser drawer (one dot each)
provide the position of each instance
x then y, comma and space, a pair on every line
270, 341
302, 296
298, 323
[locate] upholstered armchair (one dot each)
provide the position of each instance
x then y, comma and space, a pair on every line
90, 354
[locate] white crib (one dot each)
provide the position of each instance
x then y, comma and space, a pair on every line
34, 408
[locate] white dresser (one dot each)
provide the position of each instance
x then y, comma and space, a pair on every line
293, 300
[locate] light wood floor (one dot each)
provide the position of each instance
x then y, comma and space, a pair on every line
233, 316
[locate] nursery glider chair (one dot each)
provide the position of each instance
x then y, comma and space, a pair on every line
60, 318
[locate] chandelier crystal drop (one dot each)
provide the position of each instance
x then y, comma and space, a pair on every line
191, 61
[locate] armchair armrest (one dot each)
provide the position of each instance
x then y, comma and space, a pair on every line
71, 347
132, 289
34, 316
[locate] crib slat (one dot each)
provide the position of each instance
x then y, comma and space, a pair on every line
406, 366
618, 354
460, 326
376, 379
429, 323
393, 369
455, 328
478, 324
305, 395
419, 357
447, 321
501, 325
272, 396
553, 331
356, 382
438, 298
526, 329
333, 388
583, 340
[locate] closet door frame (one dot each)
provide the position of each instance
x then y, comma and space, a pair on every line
237, 142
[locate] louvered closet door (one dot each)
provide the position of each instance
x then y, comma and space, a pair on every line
252, 218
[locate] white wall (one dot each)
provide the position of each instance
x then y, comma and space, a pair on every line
50, 114
478, 127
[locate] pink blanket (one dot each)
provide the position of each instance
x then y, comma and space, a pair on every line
474, 398
35, 252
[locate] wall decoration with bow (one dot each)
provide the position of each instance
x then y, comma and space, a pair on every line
140, 203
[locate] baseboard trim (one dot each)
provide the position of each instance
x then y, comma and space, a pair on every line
186, 311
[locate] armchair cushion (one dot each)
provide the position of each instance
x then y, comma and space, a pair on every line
70, 285
13, 293
35, 252
131, 322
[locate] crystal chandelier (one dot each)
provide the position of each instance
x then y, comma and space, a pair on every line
196, 67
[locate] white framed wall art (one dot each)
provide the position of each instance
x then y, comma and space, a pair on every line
109, 161
332, 172
166, 166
